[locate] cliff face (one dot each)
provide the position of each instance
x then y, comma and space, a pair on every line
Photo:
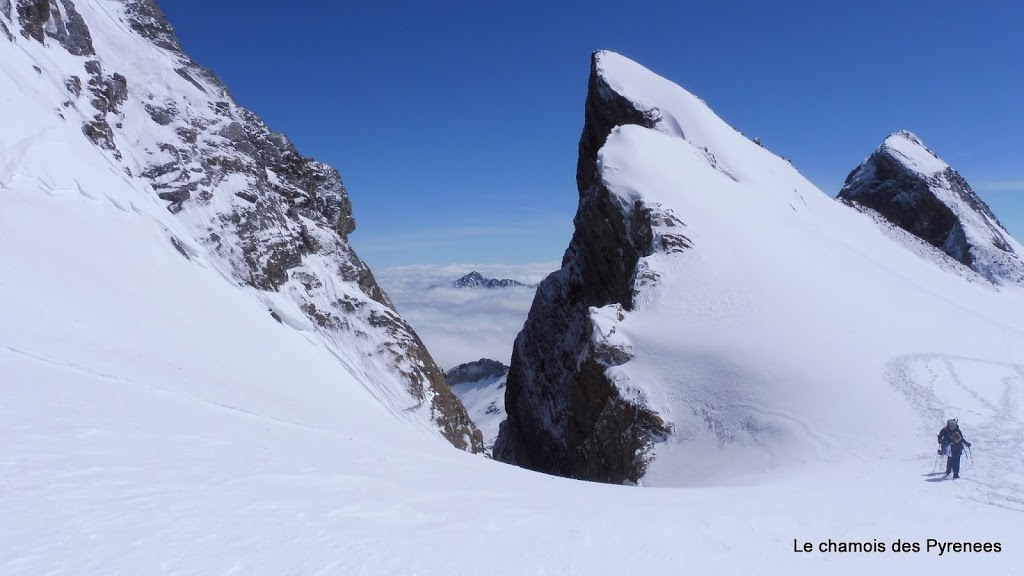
565, 416
272, 220
909, 186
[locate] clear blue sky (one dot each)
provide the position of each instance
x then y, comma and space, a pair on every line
454, 124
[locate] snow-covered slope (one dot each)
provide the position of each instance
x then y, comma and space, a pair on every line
481, 387
155, 419
100, 103
908, 185
734, 323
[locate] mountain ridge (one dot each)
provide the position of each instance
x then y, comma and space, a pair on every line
269, 218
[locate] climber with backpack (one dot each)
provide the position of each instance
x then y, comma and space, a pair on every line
951, 444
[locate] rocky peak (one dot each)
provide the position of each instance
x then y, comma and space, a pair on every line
482, 369
271, 219
911, 187
565, 415
477, 280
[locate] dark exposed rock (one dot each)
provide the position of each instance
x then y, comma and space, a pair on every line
109, 92
481, 369
146, 18
246, 196
33, 15
99, 132
565, 416
160, 115
6, 32
675, 242
74, 85
176, 196
184, 74
41, 18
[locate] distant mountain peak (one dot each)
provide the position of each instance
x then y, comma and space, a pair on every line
908, 185
477, 280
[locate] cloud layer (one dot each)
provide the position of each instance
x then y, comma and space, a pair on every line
462, 325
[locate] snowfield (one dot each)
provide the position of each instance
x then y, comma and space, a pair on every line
155, 419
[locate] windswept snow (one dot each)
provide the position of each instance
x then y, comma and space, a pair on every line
914, 153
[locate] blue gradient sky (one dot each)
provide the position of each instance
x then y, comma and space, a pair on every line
455, 123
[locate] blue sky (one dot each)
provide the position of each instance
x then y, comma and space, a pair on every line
454, 124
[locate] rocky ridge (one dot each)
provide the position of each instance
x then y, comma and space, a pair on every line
273, 220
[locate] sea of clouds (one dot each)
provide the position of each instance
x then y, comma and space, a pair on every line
463, 324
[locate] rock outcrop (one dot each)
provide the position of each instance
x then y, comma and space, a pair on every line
909, 186
565, 415
275, 221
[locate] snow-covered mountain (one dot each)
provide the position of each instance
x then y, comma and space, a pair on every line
156, 419
102, 103
481, 387
718, 318
477, 280
912, 188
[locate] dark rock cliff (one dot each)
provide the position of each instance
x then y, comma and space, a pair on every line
565, 416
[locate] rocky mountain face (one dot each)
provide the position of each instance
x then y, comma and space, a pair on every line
909, 186
477, 280
565, 415
276, 222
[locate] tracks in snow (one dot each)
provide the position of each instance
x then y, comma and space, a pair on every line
987, 396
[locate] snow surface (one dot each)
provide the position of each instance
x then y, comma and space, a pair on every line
154, 419
913, 153
484, 399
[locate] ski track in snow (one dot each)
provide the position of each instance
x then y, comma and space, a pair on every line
931, 382
176, 393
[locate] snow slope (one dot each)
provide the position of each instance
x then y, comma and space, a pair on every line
480, 385
155, 419
794, 333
